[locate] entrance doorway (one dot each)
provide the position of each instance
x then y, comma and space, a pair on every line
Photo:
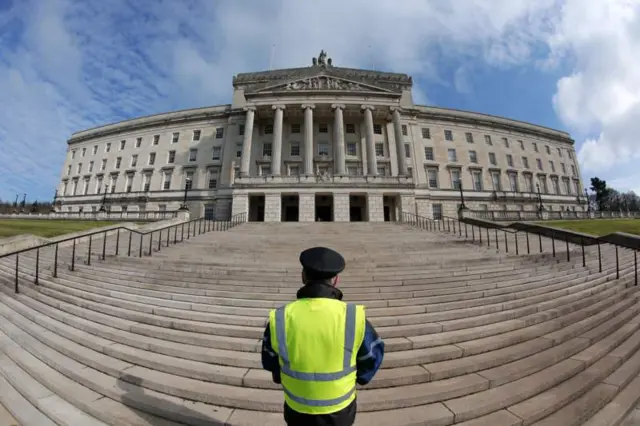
357, 207
256, 208
390, 204
290, 208
324, 208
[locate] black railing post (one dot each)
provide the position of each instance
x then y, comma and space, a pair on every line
160, 240
17, 266
497, 243
553, 243
104, 245
151, 243
473, 234
140, 248
182, 233
566, 240
130, 237
55, 262
540, 241
488, 239
515, 236
37, 266
526, 234
117, 241
506, 242
480, 234
584, 260
635, 265
188, 229
617, 264
175, 234
599, 258
73, 256
89, 251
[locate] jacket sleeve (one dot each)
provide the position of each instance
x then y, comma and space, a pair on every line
270, 361
370, 355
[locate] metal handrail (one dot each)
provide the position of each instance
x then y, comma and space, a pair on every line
200, 226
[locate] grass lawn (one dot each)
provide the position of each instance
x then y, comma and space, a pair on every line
598, 226
47, 228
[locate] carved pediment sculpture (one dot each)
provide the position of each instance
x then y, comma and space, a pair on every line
325, 83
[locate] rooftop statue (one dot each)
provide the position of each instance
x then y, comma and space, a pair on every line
322, 59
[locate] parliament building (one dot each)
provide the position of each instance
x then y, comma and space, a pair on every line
320, 143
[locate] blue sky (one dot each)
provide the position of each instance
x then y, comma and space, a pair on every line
69, 65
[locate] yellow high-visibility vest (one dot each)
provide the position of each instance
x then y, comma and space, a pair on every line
317, 342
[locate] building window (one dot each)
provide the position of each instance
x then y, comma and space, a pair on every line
294, 149
567, 186
138, 142
410, 171
539, 163
146, 182
379, 149
172, 157
95, 149
448, 135
556, 185
219, 133
80, 168
506, 142
103, 164
577, 186
240, 129
407, 150
107, 147
492, 159
213, 183
469, 137
382, 170
525, 162
134, 160
437, 211
513, 182
377, 129
495, 178
266, 149
564, 168
451, 155
477, 180
74, 188
215, 152
114, 182
352, 171
196, 135
473, 157
543, 184
122, 145
350, 128
118, 162
84, 151
573, 170
528, 180
98, 186
128, 179
535, 147
73, 154
559, 152
268, 129
404, 129
323, 149
85, 189
323, 128
432, 177
509, 160
552, 166
295, 128
487, 139
193, 154
546, 147
188, 181
69, 169
265, 170
166, 184
455, 179
428, 153
174, 138
90, 166
570, 155
294, 170
352, 149
426, 133
152, 158
521, 145
238, 150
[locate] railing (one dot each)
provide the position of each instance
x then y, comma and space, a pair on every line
322, 179
516, 215
133, 215
163, 238
473, 228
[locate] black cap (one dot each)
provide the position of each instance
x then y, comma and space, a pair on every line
321, 262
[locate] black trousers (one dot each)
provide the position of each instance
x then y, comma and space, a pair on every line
344, 417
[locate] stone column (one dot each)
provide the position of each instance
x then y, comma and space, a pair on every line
338, 140
276, 155
272, 207
375, 207
397, 130
372, 165
246, 141
308, 138
307, 207
341, 207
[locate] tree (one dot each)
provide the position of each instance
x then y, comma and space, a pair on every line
602, 192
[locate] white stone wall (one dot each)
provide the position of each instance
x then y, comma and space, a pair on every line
273, 207
240, 204
408, 204
375, 208
341, 207
306, 207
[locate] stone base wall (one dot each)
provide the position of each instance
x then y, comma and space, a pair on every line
240, 204
307, 208
272, 207
407, 204
341, 207
375, 206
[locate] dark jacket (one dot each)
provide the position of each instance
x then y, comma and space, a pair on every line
368, 362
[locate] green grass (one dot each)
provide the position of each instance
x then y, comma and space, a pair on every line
598, 226
47, 228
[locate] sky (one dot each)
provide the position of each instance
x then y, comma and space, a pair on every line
70, 65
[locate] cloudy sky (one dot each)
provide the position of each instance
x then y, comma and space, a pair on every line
69, 65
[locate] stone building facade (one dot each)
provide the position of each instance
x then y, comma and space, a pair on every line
321, 143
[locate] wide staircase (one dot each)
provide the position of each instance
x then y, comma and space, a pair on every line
473, 337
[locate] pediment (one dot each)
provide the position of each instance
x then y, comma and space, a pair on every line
323, 83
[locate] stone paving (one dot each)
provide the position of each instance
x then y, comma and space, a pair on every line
473, 337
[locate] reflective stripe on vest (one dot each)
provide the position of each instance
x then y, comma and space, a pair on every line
349, 339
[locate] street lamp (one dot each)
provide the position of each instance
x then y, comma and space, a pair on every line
103, 207
55, 201
540, 206
187, 186
586, 194
462, 206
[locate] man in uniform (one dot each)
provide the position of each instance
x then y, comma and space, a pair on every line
319, 347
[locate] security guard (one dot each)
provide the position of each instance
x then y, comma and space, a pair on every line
319, 347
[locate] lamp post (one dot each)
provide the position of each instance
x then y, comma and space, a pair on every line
55, 201
24, 203
540, 206
103, 207
586, 194
462, 206
187, 185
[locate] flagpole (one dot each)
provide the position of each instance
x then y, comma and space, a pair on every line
273, 51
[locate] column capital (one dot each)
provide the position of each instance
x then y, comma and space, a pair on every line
278, 106
369, 107
308, 106
397, 109
336, 106
249, 108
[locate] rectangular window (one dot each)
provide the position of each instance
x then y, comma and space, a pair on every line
567, 186
98, 186
564, 168
166, 184
543, 184
539, 163
238, 150
352, 149
451, 155
528, 180
379, 150
107, 147
268, 129
118, 162
73, 154
506, 142
552, 166
266, 149
265, 170
85, 189
323, 149
432, 177
556, 185
521, 145
240, 129
323, 128
455, 179
90, 166
448, 135
426, 133
138, 142
172, 157
477, 180
196, 135
146, 183
428, 153
377, 129
152, 158
487, 139
294, 149
156, 139
559, 152
410, 171
577, 186
134, 160
84, 151
74, 188
122, 145
570, 155
573, 170
219, 133
174, 138
495, 178
407, 150
437, 211
382, 170
80, 168
350, 128
492, 159
69, 169
525, 162
188, 181
103, 164
295, 128
509, 160
469, 137
95, 149
294, 170
546, 147
513, 182
114, 182
128, 179
213, 183
215, 153
535, 147
404, 129
352, 171
193, 154
473, 157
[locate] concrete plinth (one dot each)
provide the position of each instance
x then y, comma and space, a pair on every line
341, 207
307, 207
272, 207
375, 206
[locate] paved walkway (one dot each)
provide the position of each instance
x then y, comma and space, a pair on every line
6, 419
